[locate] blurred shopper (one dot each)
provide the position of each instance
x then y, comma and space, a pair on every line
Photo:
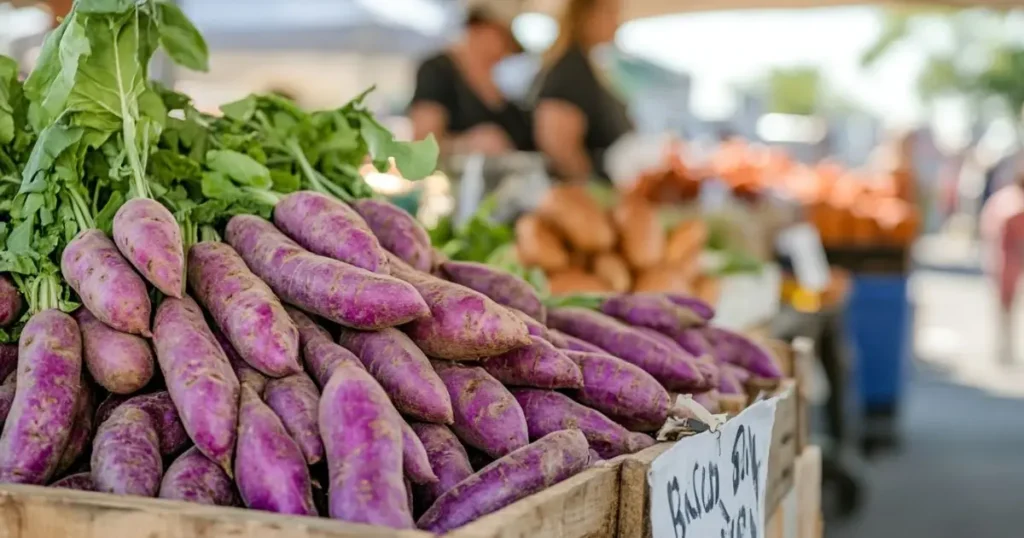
577, 116
1002, 232
456, 98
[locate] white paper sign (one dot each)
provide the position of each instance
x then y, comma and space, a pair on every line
712, 485
802, 243
748, 299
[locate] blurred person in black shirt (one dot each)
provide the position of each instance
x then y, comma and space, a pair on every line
456, 97
577, 115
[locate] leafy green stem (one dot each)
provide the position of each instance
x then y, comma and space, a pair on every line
307, 169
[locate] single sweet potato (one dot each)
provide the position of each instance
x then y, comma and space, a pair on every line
8, 360
737, 349
612, 269
80, 482
398, 232
534, 327
270, 469
107, 284
463, 324
244, 309
642, 237
501, 286
149, 237
415, 461
705, 364
548, 411
571, 343
10, 301
120, 362
195, 478
695, 304
622, 391
674, 369
337, 291
247, 375
81, 429
650, 310
199, 378
295, 399
538, 245
526, 471
574, 212
363, 441
7, 391
540, 365
126, 454
170, 430
693, 341
319, 352
487, 417
39, 423
448, 460
329, 227
393, 359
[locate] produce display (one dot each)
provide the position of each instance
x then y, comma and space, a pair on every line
850, 208
584, 248
228, 368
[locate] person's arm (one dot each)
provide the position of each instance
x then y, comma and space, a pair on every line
432, 102
560, 129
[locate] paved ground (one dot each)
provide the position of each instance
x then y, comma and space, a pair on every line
960, 472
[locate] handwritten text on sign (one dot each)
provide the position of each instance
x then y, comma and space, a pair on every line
712, 485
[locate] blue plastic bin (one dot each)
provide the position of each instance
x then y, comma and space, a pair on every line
879, 324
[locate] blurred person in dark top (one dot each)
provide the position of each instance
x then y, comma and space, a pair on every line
577, 116
456, 97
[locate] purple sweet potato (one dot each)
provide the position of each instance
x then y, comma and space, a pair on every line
651, 310
571, 343
8, 360
737, 349
246, 374
362, 438
328, 227
622, 391
548, 411
195, 478
415, 461
120, 362
534, 327
172, 434
673, 368
699, 307
693, 341
244, 309
38, 425
540, 365
448, 459
295, 400
705, 364
728, 382
10, 301
740, 374
7, 391
398, 232
501, 286
199, 378
403, 370
81, 430
322, 357
107, 284
463, 324
270, 469
526, 471
149, 237
126, 454
335, 290
709, 400
80, 482
595, 458
487, 417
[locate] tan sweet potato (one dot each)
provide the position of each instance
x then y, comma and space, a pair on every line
537, 245
579, 218
641, 235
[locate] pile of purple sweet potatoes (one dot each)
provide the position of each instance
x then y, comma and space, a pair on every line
330, 363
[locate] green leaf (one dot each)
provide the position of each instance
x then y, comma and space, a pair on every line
285, 182
241, 168
415, 160
104, 6
183, 43
105, 217
51, 82
241, 110
218, 186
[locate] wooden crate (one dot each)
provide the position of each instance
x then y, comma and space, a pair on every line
798, 515
634, 494
585, 506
